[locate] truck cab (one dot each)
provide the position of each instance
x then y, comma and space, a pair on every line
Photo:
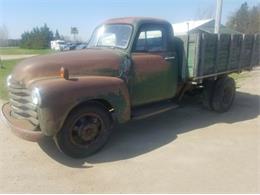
152, 70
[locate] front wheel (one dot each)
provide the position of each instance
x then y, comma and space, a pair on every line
85, 131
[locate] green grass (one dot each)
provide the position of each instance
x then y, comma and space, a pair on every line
239, 77
4, 72
21, 51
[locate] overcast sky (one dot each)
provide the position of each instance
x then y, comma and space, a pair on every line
22, 15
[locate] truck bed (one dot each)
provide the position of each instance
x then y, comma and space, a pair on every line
208, 55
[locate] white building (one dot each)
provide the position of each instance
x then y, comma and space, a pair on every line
58, 45
207, 25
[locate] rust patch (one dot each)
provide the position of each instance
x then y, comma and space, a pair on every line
85, 62
154, 79
147, 63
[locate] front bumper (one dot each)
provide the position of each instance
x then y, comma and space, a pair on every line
22, 128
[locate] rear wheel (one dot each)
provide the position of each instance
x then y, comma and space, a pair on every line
208, 93
85, 131
224, 94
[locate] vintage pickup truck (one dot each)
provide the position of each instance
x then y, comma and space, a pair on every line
133, 68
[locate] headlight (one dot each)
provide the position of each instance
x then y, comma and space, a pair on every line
8, 80
36, 96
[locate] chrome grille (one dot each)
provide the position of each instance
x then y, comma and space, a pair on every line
20, 99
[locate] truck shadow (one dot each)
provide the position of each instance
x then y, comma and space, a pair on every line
139, 137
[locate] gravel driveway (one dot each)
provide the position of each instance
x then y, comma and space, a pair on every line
187, 150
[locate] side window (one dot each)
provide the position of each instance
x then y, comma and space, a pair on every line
154, 40
150, 41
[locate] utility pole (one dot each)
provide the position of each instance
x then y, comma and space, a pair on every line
218, 16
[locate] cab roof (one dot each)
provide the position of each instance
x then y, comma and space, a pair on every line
135, 20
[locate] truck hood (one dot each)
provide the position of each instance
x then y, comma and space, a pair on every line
96, 62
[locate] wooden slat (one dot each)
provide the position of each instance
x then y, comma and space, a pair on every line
241, 52
231, 44
218, 46
201, 65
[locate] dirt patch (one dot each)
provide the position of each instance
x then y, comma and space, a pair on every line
14, 57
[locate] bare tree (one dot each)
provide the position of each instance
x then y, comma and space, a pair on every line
205, 13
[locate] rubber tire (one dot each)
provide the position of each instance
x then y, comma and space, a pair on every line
207, 94
62, 138
223, 84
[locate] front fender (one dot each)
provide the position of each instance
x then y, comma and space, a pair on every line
60, 96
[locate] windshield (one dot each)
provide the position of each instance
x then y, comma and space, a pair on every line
111, 35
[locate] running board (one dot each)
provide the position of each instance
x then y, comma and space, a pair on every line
152, 109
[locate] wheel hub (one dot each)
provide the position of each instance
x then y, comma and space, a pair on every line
89, 132
86, 129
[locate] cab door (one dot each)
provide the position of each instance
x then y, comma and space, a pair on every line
154, 68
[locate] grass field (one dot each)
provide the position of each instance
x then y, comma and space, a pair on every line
9, 64
21, 51
4, 72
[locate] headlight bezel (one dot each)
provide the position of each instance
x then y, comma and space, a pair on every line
8, 80
36, 96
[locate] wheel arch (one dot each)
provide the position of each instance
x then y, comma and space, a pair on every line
98, 101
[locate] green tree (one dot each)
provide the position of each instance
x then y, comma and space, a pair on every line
245, 20
57, 35
38, 38
254, 23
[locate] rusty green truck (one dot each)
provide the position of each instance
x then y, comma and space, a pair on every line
133, 68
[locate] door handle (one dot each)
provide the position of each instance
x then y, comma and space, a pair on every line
169, 58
